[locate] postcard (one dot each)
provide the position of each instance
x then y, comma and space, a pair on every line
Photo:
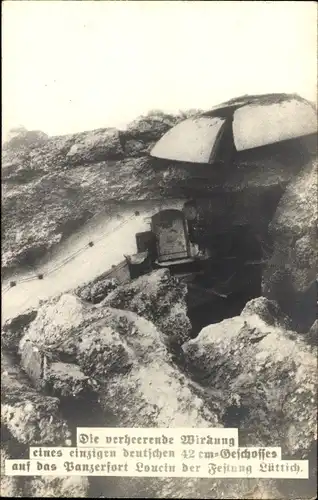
159, 250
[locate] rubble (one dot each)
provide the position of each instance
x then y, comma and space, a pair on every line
312, 335
12, 330
57, 487
97, 290
9, 485
122, 350
268, 311
160, 298
268, 374
29, 416
66, 380
139, 385
21, 137
32, 419
95, 146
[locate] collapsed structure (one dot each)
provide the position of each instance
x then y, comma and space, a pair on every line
116, 352
238, 158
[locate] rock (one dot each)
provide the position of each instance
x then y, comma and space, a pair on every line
49, 373
13, 329
268, 311
97, 290
58, 487
66, 380
39, 214
137, 383
101, 353
269, 377
29, 416
41, 486
18, 170
55, 329
20, 137
33, 362
112, 346
290, 277
9, 485
134, 147
151, 126
32, 419
95, 146
312, 336
161, 299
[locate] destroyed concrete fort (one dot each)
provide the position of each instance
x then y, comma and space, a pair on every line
198, 310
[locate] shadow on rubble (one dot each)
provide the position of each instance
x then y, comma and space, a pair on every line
221, 308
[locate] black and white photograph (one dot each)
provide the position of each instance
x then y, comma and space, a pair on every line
159, 249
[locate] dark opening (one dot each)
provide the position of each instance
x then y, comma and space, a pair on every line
225, 275
228, 280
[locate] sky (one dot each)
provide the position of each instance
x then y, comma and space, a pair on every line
73, 66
